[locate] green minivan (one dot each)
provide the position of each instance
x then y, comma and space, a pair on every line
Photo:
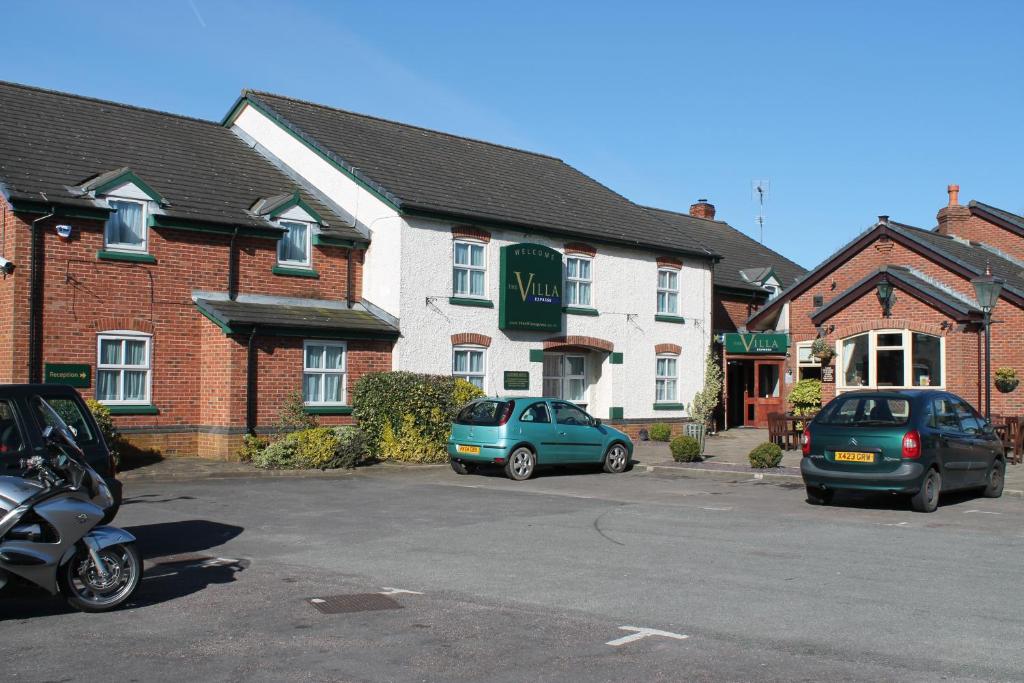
521, 434
916, 441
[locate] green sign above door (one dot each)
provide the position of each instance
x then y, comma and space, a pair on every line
756, 343
530, 295
71, 374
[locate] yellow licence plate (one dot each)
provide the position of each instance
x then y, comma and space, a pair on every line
471, 450
850, 456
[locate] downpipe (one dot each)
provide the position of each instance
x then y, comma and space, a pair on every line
35, 313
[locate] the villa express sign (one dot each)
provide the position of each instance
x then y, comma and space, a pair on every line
757, 342
530, 297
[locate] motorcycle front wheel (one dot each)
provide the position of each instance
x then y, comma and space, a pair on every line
87, 590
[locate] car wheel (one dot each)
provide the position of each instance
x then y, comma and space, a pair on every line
819, 496
615, 459
463, 468
520, 464
927, 499
994, 489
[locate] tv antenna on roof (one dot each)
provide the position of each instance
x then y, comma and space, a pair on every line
759, 191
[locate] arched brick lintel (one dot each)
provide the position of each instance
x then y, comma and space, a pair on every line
670, 262
580, 248
888, 324
593, 343
674, 349
470, 338
471, 233
115, 323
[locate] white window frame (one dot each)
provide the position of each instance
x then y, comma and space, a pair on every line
667, 290
308, 262
873, 347
812, 362
577, 279
469, 349
565, 377
120, 368
660, 378
469, 268
323, 372
143, 248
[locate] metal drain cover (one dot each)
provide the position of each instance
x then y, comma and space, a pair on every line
353, 602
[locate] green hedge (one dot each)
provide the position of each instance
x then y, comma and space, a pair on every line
660, 432
322, 448
407, 415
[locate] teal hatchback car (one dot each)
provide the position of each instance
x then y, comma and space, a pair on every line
521, 434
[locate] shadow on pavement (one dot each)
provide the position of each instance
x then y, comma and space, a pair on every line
892, 501
175, 566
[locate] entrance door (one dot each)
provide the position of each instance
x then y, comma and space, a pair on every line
762, 392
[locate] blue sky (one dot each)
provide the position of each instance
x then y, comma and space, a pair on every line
850, 109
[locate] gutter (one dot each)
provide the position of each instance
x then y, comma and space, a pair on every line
251, 380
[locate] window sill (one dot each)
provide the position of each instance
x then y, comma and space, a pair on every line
465, 301
327, 410
295, 272
140, 257
579, 310
134, 409
669, 406
675, 319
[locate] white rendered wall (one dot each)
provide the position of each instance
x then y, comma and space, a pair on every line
624, 281
373, 216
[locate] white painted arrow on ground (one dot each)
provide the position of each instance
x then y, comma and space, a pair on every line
641, 633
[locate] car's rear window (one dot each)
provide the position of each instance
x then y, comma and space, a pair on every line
486, 412
866, 411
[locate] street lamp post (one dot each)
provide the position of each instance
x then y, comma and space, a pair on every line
986, 290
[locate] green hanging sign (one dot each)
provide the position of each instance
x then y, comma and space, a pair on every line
530, 293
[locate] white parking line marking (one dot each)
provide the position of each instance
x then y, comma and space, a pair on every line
718, 509
388, 590
982, 512
317, 601
643, 633
895, 524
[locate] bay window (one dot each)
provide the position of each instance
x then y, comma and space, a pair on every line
891, 358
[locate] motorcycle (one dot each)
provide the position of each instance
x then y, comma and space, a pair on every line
49, 527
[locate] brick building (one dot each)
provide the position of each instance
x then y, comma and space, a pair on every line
173, 273
931, 335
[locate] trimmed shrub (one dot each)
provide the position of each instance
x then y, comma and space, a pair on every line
685, 449
280, 455
352, 447
765, 455
251, 447
660, 432
805, 396
407, 415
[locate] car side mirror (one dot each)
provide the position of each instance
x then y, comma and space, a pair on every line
597, 422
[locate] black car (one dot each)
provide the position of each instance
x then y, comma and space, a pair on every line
22, 422
915, 441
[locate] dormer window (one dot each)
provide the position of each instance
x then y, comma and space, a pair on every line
126, 228
293, 249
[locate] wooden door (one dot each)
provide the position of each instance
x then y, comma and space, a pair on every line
763, 392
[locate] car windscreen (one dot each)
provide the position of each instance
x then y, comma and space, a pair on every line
866, 411
486, 412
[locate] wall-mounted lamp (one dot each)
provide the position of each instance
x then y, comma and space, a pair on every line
886, 296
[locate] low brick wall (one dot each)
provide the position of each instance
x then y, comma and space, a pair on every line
633, 427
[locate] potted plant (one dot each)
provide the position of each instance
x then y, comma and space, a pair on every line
822, 350
1006, 379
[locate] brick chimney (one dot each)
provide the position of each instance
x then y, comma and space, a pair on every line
953, 217
702, 209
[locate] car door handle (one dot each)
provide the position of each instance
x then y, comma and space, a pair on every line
561, 433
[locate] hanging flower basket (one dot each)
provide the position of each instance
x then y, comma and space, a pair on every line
1007, 385
822, 350
826, 357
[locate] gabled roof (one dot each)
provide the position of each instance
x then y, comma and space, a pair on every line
968, 259
58, 145
739, 252
434, 174
946, 300
1008, 220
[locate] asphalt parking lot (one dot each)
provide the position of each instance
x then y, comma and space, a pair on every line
570, 576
